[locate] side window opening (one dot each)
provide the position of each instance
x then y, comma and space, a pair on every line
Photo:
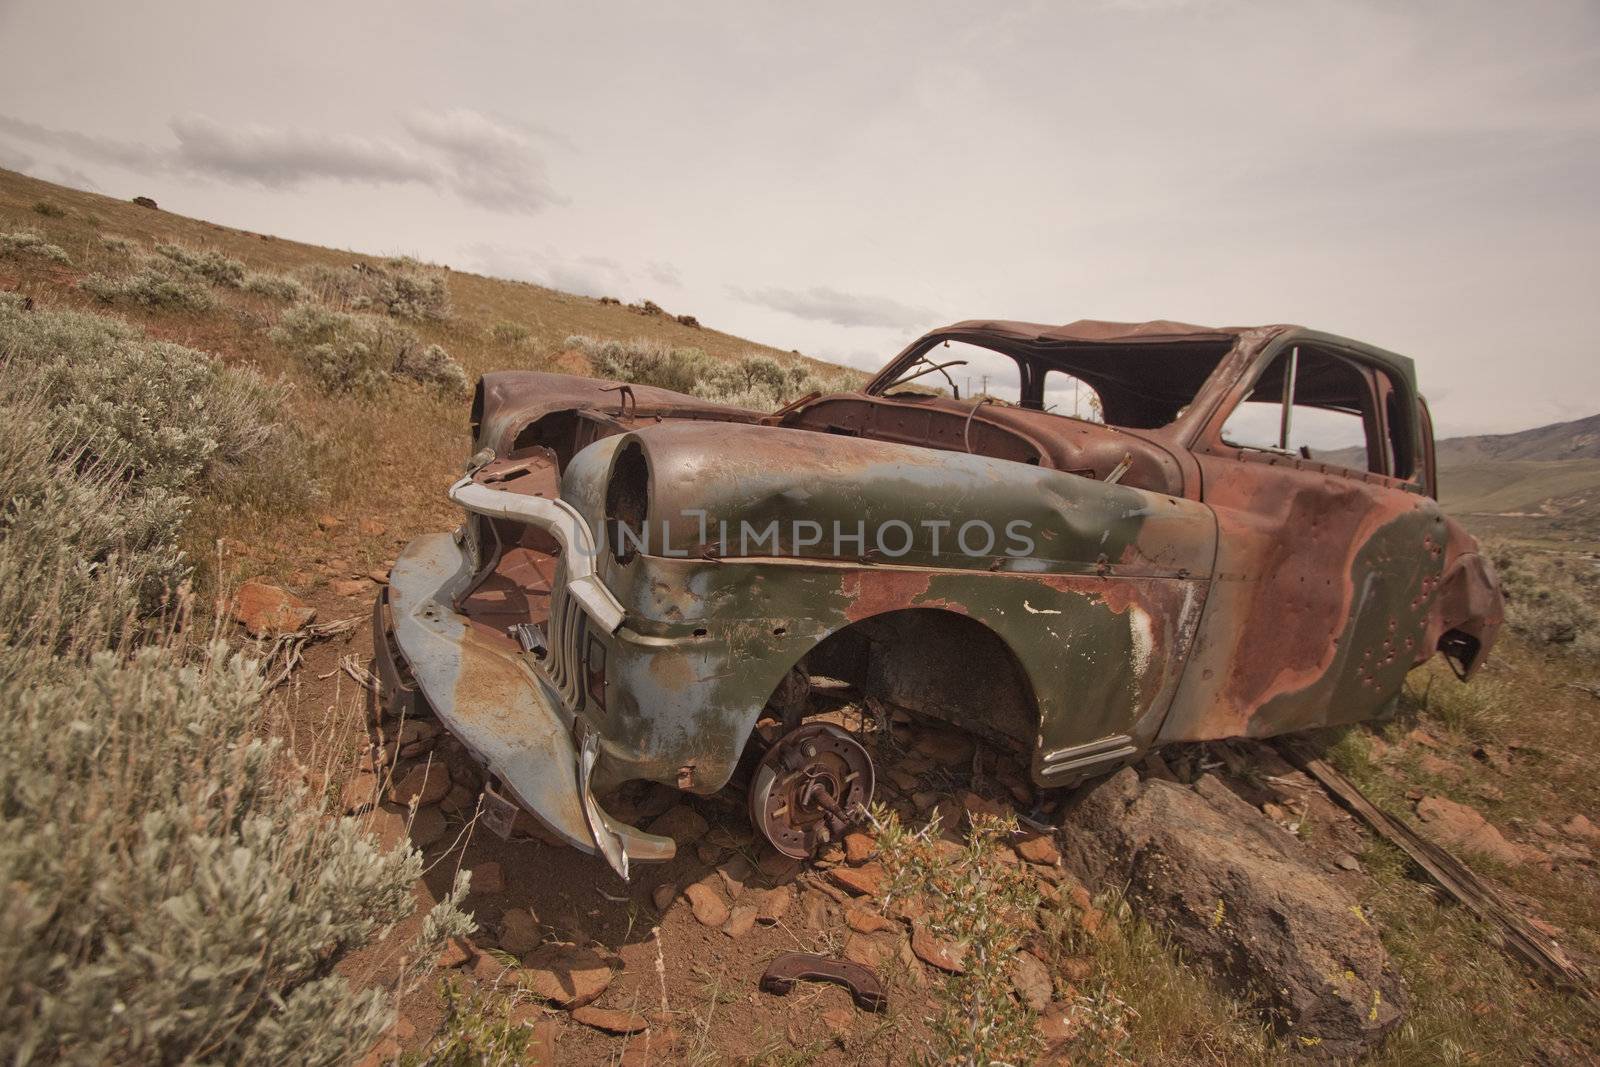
1329, 417
1067, 395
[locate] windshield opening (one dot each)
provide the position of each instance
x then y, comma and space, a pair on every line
1137, 385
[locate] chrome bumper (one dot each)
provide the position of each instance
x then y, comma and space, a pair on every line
508, 715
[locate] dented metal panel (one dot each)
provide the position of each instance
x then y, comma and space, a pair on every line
639, 575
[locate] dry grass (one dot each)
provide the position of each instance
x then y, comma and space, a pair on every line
389, 459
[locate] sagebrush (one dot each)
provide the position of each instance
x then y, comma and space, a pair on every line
753, 381
175, 892
26, 243
150, 286
400, 287
360, 353
1552, 599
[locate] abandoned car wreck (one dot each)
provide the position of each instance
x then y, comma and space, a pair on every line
646, 583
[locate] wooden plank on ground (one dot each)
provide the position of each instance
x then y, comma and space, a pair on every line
1515, 934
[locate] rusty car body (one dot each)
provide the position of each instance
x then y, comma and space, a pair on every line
579, 632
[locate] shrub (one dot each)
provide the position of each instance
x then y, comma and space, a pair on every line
341, 351
431, 365
174, 893
150, 287
359, 353
1551, 599
27, 243
275, 287
210, 265
510, 333
753, 381
168, 416
122, 246
979, 900
49, 210
399, 287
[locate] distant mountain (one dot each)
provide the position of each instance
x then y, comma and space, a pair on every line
1541, 483
1578, 439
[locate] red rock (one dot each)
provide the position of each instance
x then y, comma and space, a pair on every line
972, 804
360, 793
1076, 968
611, 1020
1057, 1023
1039, 849
858, 848
1031, 979
947, 956
426, 783
329, 522
488, 968
379, 574
1439, 767
859, 881
867, 921
566, 975
741, 921
904, 780
370, 527
1419, 736
681, 823
488, 878
1580, 827
413, 730
456, 952
519, 931
862, 949
1459, 826
459, 800
735, 872
541, 1051
348, 587
266, 610
777, 867
708, 907
944, 746
428, 825
775, 904
663, 895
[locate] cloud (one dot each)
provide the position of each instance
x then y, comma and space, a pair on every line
464, 152
282, 158
584, 275
490, 163
823, 304
663, 273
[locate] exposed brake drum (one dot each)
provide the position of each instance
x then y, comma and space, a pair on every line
809, 787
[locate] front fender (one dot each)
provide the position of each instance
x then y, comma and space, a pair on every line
748, 491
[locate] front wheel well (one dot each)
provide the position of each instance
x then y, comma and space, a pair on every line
937, 663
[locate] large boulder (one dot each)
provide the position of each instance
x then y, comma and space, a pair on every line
1242, 898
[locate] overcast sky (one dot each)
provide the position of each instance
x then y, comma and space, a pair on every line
839, 178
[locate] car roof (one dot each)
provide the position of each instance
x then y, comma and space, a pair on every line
1098, 332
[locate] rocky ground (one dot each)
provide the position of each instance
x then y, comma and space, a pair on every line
1238, 862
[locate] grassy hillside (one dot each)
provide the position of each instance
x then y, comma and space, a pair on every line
306, 428
384, 455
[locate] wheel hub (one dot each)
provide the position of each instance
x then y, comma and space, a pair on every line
808, 788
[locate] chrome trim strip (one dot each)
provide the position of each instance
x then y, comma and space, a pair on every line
563, 522
1090, 753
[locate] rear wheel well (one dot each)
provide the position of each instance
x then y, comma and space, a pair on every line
936, 663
